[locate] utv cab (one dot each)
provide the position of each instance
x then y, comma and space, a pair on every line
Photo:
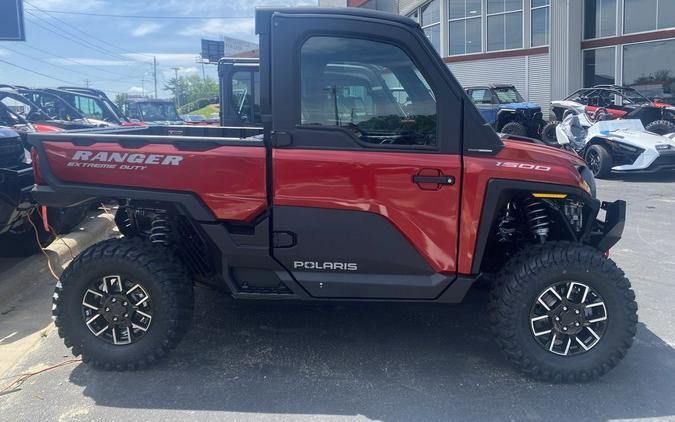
502, 106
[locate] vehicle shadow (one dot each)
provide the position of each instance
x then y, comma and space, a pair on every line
383, 361
661, 177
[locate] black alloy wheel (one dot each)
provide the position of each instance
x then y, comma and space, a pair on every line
117, 310
568, 318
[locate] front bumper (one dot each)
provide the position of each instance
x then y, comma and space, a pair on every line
649, 162
605, 234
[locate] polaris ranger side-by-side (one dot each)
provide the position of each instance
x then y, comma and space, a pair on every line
347, 195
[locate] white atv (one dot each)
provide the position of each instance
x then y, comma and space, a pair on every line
614, 145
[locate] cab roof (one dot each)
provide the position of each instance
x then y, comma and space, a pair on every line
263, 15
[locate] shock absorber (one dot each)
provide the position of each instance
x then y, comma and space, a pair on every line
160, 230
537, 217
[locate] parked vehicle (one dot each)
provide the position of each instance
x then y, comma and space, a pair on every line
621, 145
239, 80
19, 218
106, 102
341, 201
502, 106
620, 103
59, 114
151, 111
194, 119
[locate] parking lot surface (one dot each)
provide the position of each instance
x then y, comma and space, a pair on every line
389, 362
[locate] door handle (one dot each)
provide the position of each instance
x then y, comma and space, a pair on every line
438, 180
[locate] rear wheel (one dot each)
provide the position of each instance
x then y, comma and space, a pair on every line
562, 312
514, 128
23, 240
123, 304
661, 127
599, 160
548, 135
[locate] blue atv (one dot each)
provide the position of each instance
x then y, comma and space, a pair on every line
503, 107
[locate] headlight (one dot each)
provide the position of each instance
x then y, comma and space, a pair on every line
664, 147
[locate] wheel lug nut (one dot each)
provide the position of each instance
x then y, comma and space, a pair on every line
115, 319
576, 324
107, 309
576, 311
115, 300
125, 304
127, 316
557, 318
564, 307
564, 328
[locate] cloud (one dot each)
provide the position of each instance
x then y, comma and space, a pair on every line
4, 52
146, 28
69, 5
135, 90
182, 71
166, 59
220, 27
90, 62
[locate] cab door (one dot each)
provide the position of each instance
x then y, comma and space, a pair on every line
365, 187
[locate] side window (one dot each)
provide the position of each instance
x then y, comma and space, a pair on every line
371, 88
88, 107
481, 96
242, 95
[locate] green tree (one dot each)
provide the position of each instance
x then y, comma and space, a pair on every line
188, 89
120, 99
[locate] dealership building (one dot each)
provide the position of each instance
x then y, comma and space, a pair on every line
548, 48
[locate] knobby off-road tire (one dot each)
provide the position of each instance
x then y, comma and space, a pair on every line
532, 272
514, 128
23, 241
548, 135
661, 127
160, 288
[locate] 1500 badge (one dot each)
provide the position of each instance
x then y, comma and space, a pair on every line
121, 160
524, 166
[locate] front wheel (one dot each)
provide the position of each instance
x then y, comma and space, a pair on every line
562, 312
123, 304
548, 134
599, 160
514, 128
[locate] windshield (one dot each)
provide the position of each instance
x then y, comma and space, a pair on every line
8, 117
507, 95
153, 112
635, 97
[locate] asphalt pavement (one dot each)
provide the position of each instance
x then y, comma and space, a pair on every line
391, 362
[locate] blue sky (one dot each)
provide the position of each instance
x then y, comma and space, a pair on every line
119, 58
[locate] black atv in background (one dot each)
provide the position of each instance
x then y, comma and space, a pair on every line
17, 208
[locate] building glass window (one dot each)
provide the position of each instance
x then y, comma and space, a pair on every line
540, 22
599, 67
648, 15
431, 22
504, 24
648, 67
599, 18
465, 26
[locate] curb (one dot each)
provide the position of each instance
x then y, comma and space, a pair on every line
93, 229
26, 289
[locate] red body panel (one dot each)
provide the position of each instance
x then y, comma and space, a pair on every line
616, 113
479, 170
378, 182
46, 128
229, 179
